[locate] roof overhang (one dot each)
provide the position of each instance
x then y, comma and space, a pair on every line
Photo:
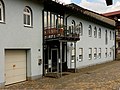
90, 15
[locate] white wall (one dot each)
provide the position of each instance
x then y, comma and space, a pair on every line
87, 42
13, 34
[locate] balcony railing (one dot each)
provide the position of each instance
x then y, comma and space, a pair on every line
61, 33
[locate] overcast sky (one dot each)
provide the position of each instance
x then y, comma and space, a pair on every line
98, 6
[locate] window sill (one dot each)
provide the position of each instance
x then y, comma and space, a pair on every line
90, 58
28, 26
2, 22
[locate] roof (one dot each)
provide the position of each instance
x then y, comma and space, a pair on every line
112, 13
91, 14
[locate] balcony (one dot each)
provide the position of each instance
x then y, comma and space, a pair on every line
61, 34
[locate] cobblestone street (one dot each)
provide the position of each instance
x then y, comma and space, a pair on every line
100, 77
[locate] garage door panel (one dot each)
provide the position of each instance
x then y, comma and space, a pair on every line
9, 81
19, 72
19, 78
15, 67
9, 73
9, 66
20, 65
15, 55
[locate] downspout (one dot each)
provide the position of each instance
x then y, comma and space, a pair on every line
43, 62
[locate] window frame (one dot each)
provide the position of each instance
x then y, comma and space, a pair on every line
81, 54
2, 14
99, 53
110, 35
90, 53
95, 32
95, 53
113, 35
73, 26
106, 37
90, 31
28, 17
99, 32
106, 50
81, 28
110, 52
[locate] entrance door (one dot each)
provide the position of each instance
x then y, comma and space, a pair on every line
54, 58
15, 66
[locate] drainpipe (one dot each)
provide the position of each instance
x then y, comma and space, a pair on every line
43, 61
115, 40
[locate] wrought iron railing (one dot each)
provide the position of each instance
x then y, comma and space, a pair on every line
50, 33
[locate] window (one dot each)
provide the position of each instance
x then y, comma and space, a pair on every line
106, 39
105, 52
110, 35
73, 55
27, 16
99, 53
72, 26
110, 52
90, 53
2, 11
90, 31
95, 32
95, 53
113, 35
99, 32
81, 28
81, 54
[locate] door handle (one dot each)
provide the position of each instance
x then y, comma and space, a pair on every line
14, 66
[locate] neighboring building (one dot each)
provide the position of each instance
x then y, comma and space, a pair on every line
116, 16
43, 37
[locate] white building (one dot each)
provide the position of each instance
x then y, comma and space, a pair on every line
41, 37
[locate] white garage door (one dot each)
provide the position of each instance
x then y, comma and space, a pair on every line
15, 66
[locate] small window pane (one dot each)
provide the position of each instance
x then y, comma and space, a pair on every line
28, 20
0, 14
95, 53
90, 53
105, 52
81, 54
99, 32
110, 35
24, 19
99, 53
90, 31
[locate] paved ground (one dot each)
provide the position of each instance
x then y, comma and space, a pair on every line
99, 77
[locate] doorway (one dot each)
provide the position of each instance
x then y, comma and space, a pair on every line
54, 60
